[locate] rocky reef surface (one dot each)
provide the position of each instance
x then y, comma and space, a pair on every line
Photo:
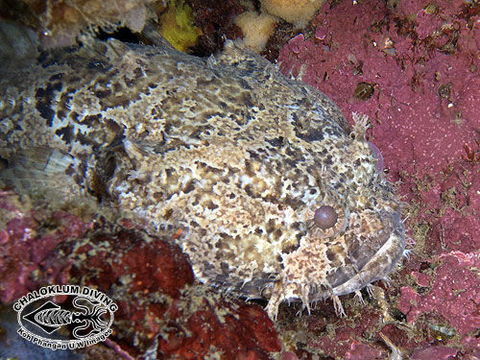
413, 67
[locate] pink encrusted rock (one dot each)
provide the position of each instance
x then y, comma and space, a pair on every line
359, 351
460, 232
423, 67
27, 241
438, 352
427, 21
454, 293
343, 338
419, 67
288, 355
408, 302
449, 202
422, 279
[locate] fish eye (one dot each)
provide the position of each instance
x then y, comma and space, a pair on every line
325, 217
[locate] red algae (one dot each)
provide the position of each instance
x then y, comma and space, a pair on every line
161, 308
158, 299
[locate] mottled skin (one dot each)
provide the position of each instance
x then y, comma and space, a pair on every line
226, 149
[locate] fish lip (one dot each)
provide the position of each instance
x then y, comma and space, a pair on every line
377, 268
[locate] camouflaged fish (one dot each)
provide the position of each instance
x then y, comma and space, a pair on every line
275, 196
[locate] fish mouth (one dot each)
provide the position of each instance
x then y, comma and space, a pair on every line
371, 259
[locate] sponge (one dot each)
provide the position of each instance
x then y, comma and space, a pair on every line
256, 29
177, 25
297, 12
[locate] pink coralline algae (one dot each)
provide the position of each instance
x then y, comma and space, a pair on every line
414, 68
27, 236
422, 63
454, 293
359, 351
435, 352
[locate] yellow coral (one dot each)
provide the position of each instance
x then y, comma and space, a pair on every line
177, 26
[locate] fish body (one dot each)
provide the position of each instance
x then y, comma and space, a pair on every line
275, 195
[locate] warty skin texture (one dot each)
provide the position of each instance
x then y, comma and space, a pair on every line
225, 149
